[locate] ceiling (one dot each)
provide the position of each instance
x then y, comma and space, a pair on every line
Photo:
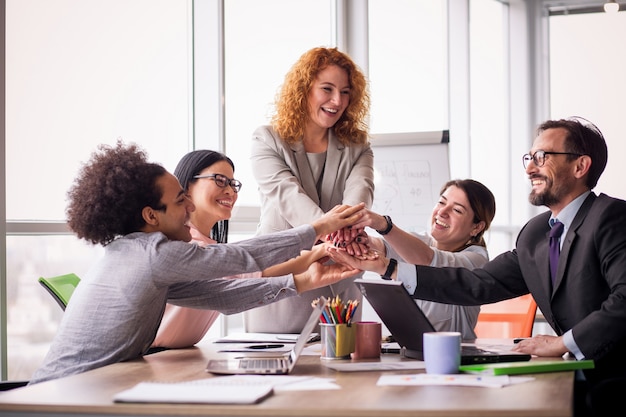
576, 6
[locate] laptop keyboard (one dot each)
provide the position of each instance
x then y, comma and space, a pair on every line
473, 350
273, 363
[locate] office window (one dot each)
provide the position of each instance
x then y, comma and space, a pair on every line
83, 73
262, 40
586, 68
489, 114
79, 74
408, 66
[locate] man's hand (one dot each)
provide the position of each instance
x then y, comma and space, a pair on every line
300, 263
542, 345
320, 275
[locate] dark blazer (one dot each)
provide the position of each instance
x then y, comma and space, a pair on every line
589, 296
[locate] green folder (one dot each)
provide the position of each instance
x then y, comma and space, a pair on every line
530, 367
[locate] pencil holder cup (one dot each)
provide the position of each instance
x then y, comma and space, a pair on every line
337, 340
368, 337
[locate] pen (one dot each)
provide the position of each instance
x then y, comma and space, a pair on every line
264, 346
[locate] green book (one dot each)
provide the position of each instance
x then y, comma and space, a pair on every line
530, 367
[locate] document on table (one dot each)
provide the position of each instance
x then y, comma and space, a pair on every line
235, 389
345, 366
265, 338
454, 379
264, 348
223, 390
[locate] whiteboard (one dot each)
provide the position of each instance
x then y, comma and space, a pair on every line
409, 171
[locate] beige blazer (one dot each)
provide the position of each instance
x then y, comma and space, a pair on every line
286, 185
289, 198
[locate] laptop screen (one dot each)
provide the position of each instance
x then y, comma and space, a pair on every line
302, 340
397, 309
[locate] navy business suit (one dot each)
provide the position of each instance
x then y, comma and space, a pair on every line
589, 295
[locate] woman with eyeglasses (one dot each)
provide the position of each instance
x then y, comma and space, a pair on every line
207, 178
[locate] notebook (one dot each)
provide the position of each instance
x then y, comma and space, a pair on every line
408, 323
265, 365
226, 390
533, 367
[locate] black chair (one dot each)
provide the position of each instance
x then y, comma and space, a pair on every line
8, 385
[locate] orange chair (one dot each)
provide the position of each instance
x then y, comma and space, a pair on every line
507, 319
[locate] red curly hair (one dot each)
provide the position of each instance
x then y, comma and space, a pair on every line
291, 105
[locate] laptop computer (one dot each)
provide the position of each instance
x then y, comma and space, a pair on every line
408, 323
268, 365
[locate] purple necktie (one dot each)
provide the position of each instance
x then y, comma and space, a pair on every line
555, 248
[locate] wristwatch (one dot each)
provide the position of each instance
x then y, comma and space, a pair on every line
390, 268
389, 226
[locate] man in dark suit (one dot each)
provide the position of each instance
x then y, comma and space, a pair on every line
586, 304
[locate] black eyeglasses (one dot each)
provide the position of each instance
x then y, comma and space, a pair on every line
223, 181
539, 157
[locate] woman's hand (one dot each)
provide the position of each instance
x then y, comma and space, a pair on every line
353, 240
320, 275
343, 236
368, 261
338, 218
372, 220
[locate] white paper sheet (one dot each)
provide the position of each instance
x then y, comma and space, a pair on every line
264, 338
345, 366
456, 379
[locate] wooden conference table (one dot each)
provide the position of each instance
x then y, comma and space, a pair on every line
91, 393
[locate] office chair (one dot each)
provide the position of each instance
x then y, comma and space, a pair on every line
60, 287
507, 319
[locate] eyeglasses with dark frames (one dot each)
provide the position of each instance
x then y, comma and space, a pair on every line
539, 157
223, 181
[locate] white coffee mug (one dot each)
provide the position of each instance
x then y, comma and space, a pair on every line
442, 352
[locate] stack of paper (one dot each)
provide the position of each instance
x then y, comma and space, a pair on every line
265, 338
